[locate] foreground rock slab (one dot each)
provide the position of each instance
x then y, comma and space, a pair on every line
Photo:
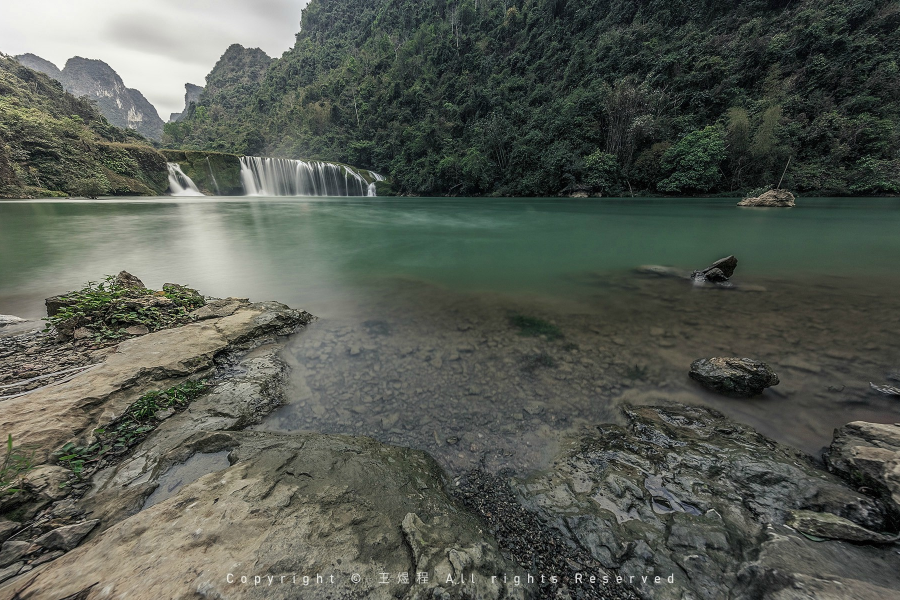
738, 377
47, 418
349, 509
684, 491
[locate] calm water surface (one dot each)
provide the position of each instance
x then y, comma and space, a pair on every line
415, 344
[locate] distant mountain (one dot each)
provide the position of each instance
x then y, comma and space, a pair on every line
191, 96
123, 107
229, 91
54, 144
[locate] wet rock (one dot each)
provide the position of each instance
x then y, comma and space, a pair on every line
11, 552
887, 390
738, 377
868, 454
66, 538
827, 525
791, 567
774, 198
685, 491
292, 504
127, 280
719, 272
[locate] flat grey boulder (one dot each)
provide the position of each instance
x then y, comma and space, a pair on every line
738, 377
289, 507
685, 491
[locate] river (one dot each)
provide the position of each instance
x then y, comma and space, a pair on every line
421, 303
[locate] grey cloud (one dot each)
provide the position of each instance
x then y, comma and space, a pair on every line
156, 46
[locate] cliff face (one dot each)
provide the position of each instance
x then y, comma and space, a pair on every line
191, 96
227, 98
122, 106
55, 144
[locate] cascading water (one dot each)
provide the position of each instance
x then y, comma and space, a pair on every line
285, 177
371, 191
179, 183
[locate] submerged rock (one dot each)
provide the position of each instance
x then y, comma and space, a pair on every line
777, 198
738, 377
10, 320
685, 491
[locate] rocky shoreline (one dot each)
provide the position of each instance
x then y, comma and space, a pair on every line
708, 506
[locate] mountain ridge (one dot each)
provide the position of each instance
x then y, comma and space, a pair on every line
124, 107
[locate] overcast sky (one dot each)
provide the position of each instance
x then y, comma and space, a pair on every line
156, 46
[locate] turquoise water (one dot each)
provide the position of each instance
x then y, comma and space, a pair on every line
416, 346
315, 253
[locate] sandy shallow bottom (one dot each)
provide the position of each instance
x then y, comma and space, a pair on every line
451, 373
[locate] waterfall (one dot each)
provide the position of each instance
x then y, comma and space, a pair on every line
284, 177
179, 183
371, 189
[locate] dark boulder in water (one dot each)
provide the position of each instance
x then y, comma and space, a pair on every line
739, 377
718, 272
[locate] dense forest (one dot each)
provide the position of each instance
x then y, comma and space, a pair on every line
54, 144
534, 97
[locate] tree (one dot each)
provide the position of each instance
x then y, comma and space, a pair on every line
601, 171
694, 161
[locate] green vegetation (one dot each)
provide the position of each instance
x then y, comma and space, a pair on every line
213, 172
53, 144
535, 327
132, 427
109, 307
15, 464
532, 97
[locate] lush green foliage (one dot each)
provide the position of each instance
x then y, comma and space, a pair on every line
513, 96
52, 143
138, 420
108, 308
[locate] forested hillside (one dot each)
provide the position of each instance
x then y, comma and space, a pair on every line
52, 143
532, 97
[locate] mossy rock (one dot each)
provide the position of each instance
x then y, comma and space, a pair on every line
213, 172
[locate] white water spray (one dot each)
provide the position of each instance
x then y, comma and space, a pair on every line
179, 183
284, 177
